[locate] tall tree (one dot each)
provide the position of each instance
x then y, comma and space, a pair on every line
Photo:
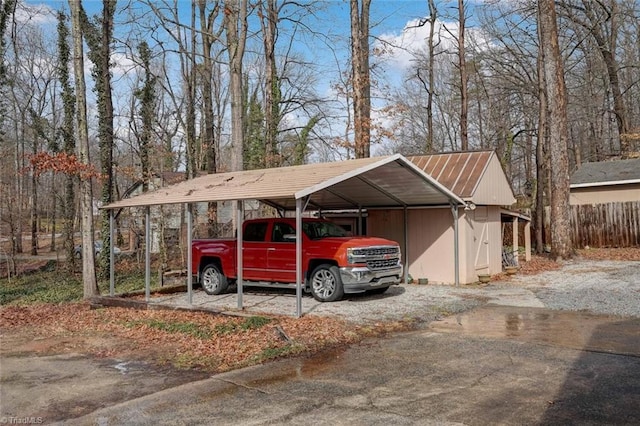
99, 37
146, 97
236, 27
541, 145
464, 78
7, 10
67, 133
558, 130
433, 16
211, 144
209, 35
360, 75
272, 94
86, 207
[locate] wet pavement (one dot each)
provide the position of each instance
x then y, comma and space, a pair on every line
576, 330
516, 366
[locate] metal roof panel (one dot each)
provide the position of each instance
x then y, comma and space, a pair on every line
367, 182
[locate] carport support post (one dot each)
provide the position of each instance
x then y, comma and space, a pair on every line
406, 245
239, 220
147, 254
112, 274
456, 249
298, 257
189, 254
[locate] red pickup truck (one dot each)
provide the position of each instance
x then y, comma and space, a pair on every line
333, 262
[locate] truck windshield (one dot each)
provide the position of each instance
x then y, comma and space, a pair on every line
317, 230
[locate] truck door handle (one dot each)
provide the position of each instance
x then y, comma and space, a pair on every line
271, 249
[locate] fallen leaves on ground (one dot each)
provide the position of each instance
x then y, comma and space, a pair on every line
187, 339
538, 264
623, 253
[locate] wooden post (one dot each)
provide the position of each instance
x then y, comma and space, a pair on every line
515, 239
527, 240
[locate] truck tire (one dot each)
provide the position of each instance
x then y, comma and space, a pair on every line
212, 280
326, 284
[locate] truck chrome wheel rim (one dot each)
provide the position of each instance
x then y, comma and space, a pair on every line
210, 280
324, 283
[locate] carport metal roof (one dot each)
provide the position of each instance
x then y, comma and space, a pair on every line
379, 182
386, 182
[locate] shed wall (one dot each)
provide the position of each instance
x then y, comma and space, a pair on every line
493, 188
483, 241
431, 241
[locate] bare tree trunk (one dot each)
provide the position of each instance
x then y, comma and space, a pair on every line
236, 26
68, 138
540, 157
558, 131
209, 140
269, 23
360, 76
88, 255
54, 214
34, 208
462, 64
189, 75
433, 16
106, 131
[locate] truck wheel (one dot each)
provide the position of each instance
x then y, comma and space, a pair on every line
326, 284
212, 280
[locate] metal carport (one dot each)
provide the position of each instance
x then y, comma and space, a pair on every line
378, 182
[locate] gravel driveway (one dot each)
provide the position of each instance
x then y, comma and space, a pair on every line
600, 287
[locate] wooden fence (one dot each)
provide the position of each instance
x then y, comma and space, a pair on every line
606, 225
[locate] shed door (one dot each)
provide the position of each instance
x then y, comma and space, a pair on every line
481, 239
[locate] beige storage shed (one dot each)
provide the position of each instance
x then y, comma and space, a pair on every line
479, 179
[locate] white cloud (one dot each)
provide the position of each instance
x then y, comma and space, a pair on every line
35, 14
400, 49
121, 63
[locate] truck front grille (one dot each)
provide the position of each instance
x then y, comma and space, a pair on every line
376, 252
376, 258
382, 264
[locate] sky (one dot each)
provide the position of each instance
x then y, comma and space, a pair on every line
394, 21
394, 25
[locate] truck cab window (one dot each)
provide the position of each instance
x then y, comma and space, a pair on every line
282, 233
255, 231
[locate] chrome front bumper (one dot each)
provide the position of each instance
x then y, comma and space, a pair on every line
356, 280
